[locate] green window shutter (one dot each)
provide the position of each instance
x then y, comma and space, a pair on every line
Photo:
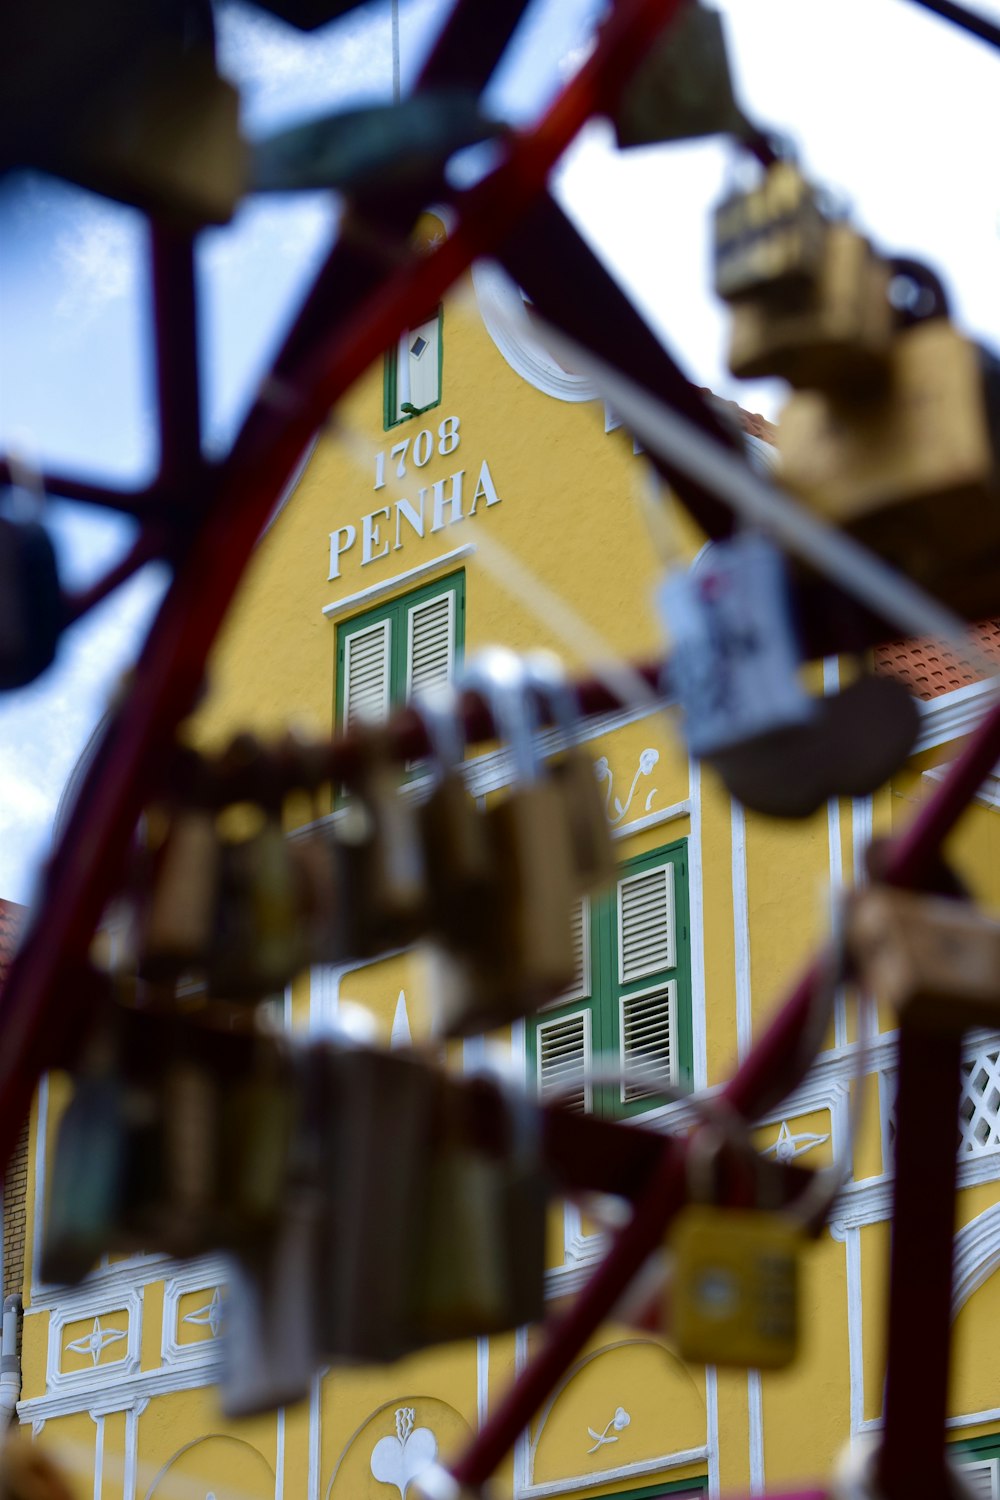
983, 1478
647, 1028
365, 679
563, 1049
430, 642
646, 923
412, 379
647, 1007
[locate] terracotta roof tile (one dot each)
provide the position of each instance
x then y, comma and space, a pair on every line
929, 669
750, 422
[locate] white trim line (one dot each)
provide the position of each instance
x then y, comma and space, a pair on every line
696, 919
953, 714
755, 1417
712, 1431
98, 1420
608, 1476
315, 1437
279, 1456
376, 591
741, 927
653, 820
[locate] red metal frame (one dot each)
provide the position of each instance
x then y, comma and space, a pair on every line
206, 519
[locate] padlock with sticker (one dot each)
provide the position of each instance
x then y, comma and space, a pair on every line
736, 655
735, 1283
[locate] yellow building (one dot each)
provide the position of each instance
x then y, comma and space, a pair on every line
472, 492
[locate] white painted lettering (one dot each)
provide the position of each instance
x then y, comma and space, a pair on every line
370, 536
454, 503
485, 489
337, 547
415, 518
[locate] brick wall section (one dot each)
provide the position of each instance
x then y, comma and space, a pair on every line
15, 1190
929, 669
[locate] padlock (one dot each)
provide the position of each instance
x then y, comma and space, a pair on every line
528, 956
166, 138
258, 943
382, 874
934, 959
88, 1174
461, 878
189, 1111
256, 1126
179, 922
683, 88
770, 240
574, 776
379, 1113
735, 1287
460, 1282
911, 473
27, 1473
833, 332
31, 609
528, 1192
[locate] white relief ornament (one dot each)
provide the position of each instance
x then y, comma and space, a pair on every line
401, 1459
647, 760
95, 1342
787, 1146
210, 1315
619, 1422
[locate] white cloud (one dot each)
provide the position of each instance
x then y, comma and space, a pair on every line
97, 252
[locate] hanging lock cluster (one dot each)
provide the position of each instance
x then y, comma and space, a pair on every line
236, 906
31, 609
365, 1214
891, 430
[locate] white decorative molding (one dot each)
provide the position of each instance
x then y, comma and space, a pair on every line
501, 307
953, 714
103, 1281
123, 1391
755, 1419
977, 1255
712, 1430
208, 1275
315, 1436
98, 1419
400, 1459
988, 793
611, 1476
648, 760
696, 914
95, 1342
279, 1455
669, 814
75, 1307
385, 586
619, 1422
788, 1146
482, 1380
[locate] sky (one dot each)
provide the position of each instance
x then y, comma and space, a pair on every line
893, 109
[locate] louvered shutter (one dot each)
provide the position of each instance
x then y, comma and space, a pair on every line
563, 1059
430, 655
580, 923
647, 1031
646, 925
983, 1478
367, 674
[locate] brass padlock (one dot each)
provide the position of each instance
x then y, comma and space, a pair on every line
259, 941
683, 88
770, 240
933, 958
528, 955
179, 923
912, 472
382, 872
255, 1136
460, 1282
834, 332
573, 772
461, 878
379, 1112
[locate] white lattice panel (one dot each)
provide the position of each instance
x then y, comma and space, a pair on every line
979, 1111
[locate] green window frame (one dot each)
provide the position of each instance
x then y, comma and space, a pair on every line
392, 412
388, 651
632, 992
680, 1489
980, 1457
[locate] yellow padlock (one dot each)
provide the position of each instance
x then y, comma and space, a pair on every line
736, 1287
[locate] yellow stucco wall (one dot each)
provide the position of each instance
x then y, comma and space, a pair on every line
566, 526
